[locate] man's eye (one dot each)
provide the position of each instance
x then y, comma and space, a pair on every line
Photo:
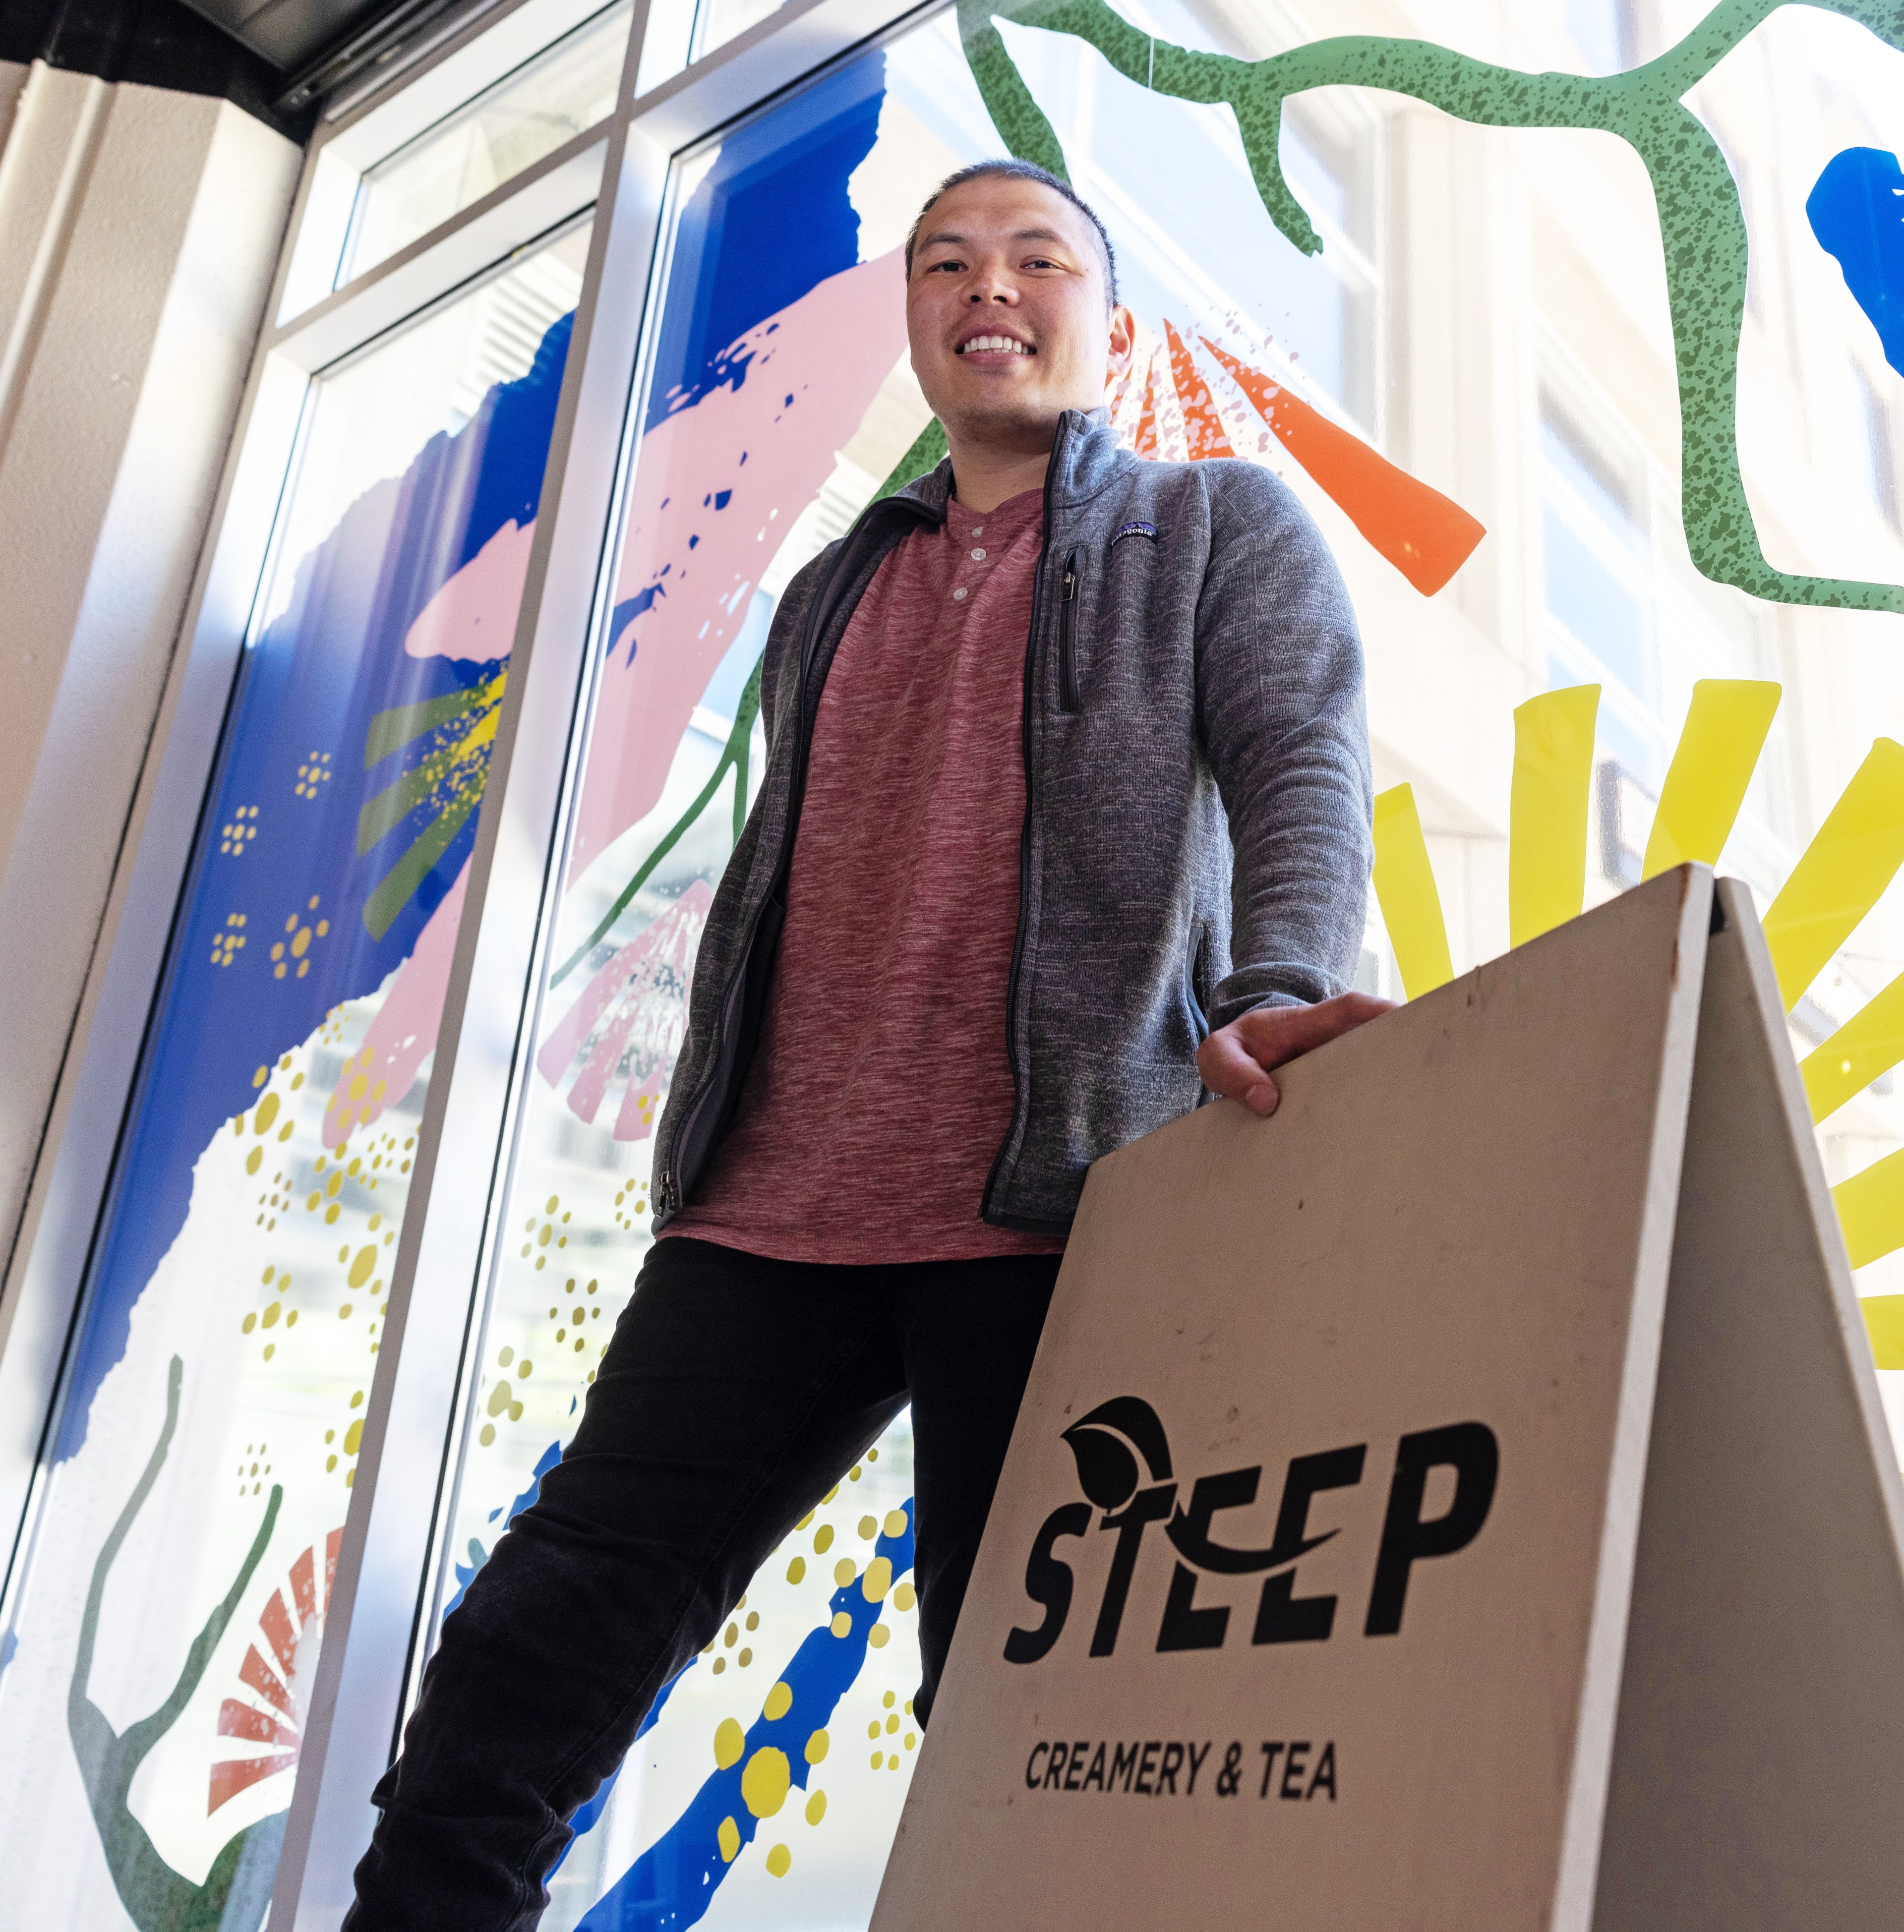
1041, 262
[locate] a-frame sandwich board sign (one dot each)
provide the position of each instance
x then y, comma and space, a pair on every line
1460, 1501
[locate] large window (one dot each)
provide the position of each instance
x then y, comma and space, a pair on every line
164, 1639
1473, 382
1598, 576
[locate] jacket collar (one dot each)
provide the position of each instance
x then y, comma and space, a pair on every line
1087, 457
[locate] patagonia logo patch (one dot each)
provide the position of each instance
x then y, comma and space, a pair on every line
1138, 529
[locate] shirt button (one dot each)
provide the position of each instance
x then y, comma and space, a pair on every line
958, 593
978, 556
978, 529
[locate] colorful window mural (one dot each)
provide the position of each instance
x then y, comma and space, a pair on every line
1371, 375
1579, 333
158, 1663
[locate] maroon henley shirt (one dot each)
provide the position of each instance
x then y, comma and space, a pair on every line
880, 1089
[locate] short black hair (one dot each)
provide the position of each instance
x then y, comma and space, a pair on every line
1011, 170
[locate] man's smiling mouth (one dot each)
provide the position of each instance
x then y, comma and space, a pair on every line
1006, 344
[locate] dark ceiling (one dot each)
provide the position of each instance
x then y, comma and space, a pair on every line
278, 59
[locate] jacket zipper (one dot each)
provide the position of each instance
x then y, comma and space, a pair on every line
1067, 691
1020, 1098
1193, 956
796, 792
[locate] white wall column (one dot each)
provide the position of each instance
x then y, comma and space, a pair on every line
139, 228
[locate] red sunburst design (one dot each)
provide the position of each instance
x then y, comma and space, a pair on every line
283, 1626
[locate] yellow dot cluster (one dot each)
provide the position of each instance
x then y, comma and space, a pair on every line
256, 1474
242, 829
363, 1097
885, 1728
225, 946
289, 952
316, 770
339, 1184
542, 1231
626, 1216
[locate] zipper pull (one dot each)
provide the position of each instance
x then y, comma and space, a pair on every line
1070, 579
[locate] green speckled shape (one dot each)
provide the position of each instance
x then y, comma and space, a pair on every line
928, 449
1701, 223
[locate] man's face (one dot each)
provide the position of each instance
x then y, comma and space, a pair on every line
1007, 314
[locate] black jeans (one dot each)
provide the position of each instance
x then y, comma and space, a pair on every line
735, 1392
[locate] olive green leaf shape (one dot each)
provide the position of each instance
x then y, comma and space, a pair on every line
1701, 223
446, 781
158, 1899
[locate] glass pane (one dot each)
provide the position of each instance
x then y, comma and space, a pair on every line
781, 247
725, 19
164, 1644
525, 115
1471, 383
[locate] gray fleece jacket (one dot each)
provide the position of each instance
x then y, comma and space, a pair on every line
1197, 836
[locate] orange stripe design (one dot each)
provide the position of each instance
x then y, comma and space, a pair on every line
1426, 536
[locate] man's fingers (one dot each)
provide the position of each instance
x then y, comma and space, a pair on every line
1228, 1068
1234, 1061
1273, 1034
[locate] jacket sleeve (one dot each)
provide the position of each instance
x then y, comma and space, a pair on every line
1280, 704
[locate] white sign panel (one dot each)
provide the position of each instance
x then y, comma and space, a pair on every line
1306, 1595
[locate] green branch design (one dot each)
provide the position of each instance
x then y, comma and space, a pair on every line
734, 756
237, 1889
1702, 222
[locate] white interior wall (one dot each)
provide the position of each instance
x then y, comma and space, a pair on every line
139, 231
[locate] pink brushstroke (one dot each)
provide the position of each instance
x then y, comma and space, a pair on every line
405, 1028
633, 1009
829, 352
473, 615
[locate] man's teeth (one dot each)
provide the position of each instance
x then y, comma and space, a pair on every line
998, 342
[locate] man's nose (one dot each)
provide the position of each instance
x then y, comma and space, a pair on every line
991, 288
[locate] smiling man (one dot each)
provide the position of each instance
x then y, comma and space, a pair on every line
1065, 827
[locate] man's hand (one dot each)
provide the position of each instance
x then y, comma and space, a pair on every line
1234, 1061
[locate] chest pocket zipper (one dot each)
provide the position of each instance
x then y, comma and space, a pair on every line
1067, 691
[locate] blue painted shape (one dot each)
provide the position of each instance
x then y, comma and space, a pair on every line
328, 664
466, 1574
672, 1884
771, 220
626, 611
1856, 208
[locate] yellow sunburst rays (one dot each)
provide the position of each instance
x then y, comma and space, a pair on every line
1404, 886
1854, 858
1838, 879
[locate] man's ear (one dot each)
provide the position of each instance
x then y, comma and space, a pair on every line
1123, 339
